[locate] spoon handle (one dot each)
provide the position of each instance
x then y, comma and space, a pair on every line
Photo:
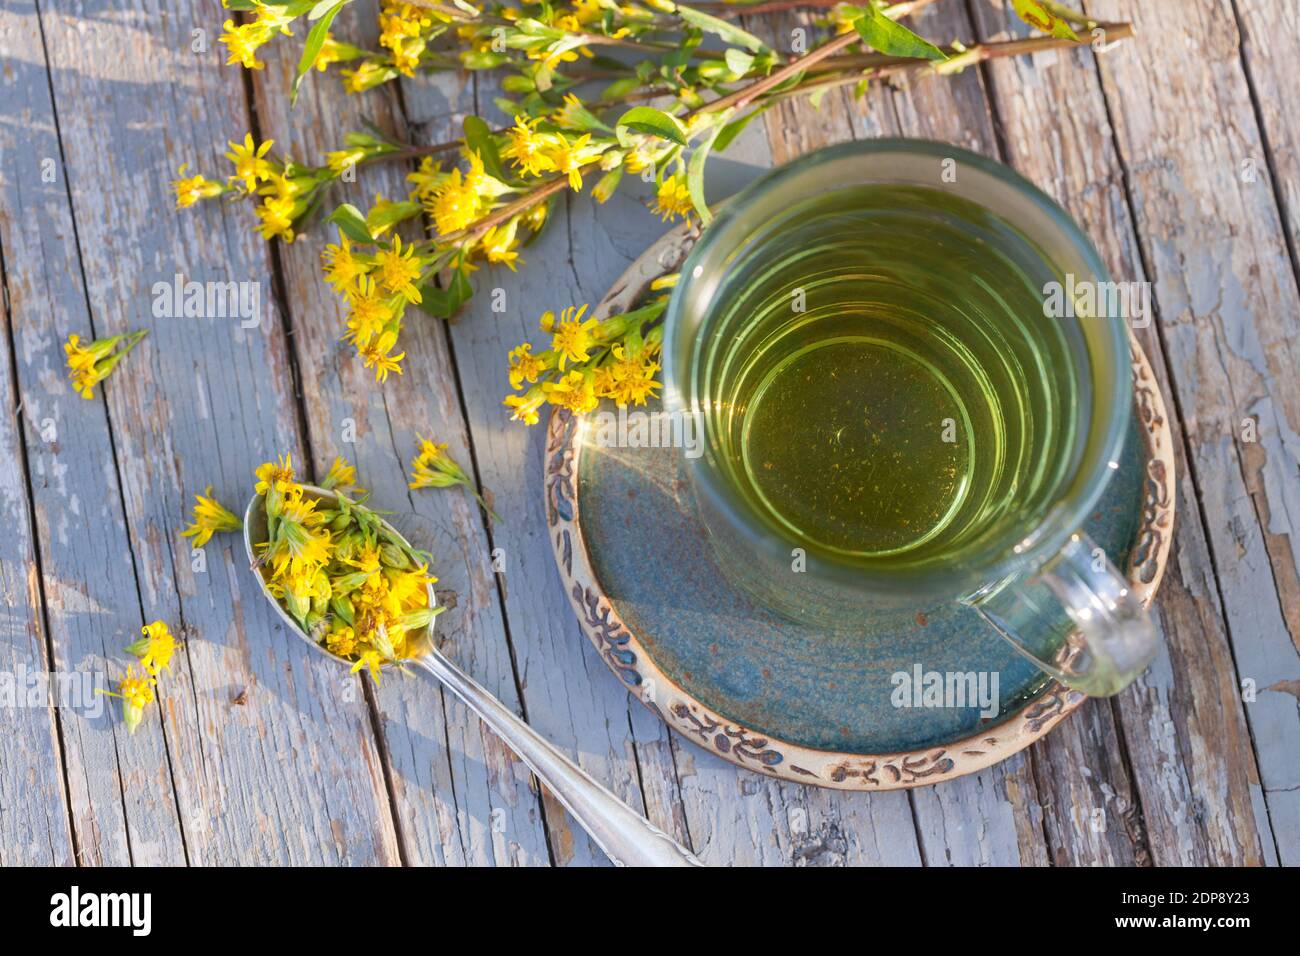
627, 838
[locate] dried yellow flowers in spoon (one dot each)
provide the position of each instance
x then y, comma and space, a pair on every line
342, 574
349, 584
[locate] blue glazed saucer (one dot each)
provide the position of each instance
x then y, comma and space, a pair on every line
788, 700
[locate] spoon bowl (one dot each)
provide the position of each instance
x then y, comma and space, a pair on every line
624, 835
255, 532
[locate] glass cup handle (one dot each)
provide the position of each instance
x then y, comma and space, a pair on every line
1077, 618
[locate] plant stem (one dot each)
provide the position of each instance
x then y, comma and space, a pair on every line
733, 11
862, 66
743, 97
883, 67
523, 203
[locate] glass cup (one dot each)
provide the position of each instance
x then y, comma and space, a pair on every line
984, 241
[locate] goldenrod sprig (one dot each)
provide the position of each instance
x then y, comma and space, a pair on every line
136, 692
90, 364
154, 650
432, 467
210, 517
590, 360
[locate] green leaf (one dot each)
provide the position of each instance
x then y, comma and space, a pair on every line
620, 88
349, 219
383, 217
721, 28
482, 59
736, 127
695, 174
647, 119
894, 39
320, 9
315, 40
1041, 18
738, 61
445, 303
478, 137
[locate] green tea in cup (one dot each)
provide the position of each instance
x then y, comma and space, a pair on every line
890, 412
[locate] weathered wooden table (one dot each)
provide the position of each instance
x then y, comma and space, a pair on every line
1180, 153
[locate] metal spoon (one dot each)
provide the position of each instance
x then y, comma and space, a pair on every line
626, 837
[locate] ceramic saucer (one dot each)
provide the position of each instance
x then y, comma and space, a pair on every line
784, 699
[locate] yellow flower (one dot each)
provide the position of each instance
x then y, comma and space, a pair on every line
535, 218
341, 640
571, 340
588, 11
342, 268
277, 218
251, 166
341, 475
272, 18
369, 659
674, 198
570, 158
500, 242
331, 52
427, 178
301, 545
274, 476
367, 75
453, 205
525, 366
283, 187
155, 649
375, 354
525, 147
242, 42
432, 467
574, 391
486, 187
88, 365
339, 160
524, 408
406, 56
630, 380
210, 517
135, 692
398, 272
410, 589
369, 314
80, 356
190, 190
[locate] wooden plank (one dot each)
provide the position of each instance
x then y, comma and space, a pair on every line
1213, 244
35, 829
271, 762
88, 577
1057, 133
1270, 45
461, 795
567, 691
